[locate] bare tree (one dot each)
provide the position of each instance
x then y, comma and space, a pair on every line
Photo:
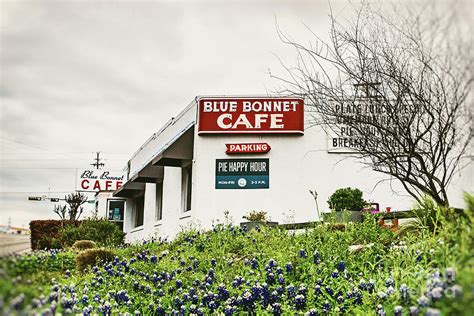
395, 92
75, 202
61, 211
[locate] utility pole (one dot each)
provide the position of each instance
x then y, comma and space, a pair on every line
97, 164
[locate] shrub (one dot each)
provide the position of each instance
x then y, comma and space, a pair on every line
45, 233
91, 257
347, 199
84, 244
255, 216
101, 231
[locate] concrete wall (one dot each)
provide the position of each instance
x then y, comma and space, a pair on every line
173, 219
297, 164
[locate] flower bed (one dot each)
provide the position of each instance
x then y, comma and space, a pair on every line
233, 270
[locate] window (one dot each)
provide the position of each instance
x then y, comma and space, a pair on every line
187, 183
138, 210
159, 201
115, 209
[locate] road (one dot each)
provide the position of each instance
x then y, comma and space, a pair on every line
10, 243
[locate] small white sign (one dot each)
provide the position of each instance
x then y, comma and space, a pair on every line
91, 180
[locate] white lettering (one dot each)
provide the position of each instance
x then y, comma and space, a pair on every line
221, 118
276, 121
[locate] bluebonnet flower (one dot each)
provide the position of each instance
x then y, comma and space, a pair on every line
432, 312
340, 299
272, 263
390, 290
290, 290
276, 309
381, 295
404, 292
397, 311
329, 290
222, 292
300, 301
281, 279
341, 266
213, 262
436, 293
419, 256
450, 275
312, 312
334, 274
178, 283
254, 263
96, 298
302, 253
247, 299
289, 267
317, 290
67, 274
454, 291
17, 301
326, 307
423, 301
380, 311
85, 299
228, 310
413, 310
302, 289
212, 306
86, 311
270, 278
389, 282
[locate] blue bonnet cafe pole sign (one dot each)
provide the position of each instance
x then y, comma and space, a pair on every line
242, 173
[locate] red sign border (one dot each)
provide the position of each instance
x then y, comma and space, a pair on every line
288, 132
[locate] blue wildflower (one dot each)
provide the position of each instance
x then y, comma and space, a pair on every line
316, 257
300, 301
302, 253
326, 307
397, 311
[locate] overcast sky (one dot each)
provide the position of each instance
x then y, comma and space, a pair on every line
85, 76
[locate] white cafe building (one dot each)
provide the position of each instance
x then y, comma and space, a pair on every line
238, 154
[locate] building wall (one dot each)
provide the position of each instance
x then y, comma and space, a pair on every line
173, 219
297, 164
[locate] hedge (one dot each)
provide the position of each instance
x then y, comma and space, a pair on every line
45, 233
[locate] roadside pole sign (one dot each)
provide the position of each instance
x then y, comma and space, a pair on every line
244, 173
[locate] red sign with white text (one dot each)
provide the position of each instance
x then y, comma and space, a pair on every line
251, 115
92, 180
248, 148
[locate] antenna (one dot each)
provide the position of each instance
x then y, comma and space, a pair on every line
97, 164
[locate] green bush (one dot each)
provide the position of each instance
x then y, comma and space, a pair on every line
347, 199
91, 257
84, 244
255, 216
45, 233
101, 231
